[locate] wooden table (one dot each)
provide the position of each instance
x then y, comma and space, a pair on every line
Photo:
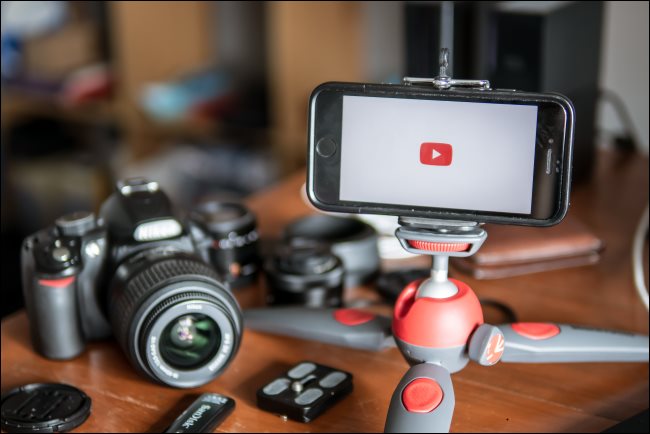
506, 397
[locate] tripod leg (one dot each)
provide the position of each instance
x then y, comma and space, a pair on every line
422, 402
345, 327
547, 342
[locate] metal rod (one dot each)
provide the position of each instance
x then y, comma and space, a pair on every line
447, 34
440, 268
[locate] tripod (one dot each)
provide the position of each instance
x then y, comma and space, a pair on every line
438, 327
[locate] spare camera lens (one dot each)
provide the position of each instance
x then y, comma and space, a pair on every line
234, 251
174, 319
354, 241
305, 273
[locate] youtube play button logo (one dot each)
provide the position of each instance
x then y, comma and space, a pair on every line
435, 154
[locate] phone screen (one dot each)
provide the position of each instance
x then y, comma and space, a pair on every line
447, 154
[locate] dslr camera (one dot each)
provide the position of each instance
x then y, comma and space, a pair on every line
141, 274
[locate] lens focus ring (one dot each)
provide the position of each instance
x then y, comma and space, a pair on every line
126, 300
129, 293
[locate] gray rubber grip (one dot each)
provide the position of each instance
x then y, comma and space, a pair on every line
320, 325
575, 344
399, 419
54, 319
55, 322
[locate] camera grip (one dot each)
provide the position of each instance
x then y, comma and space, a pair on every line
54, 317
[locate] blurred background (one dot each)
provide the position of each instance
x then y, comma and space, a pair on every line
210, 98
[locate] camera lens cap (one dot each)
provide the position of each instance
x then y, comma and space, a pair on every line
44, 408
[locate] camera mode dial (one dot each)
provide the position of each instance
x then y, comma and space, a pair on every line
76, 224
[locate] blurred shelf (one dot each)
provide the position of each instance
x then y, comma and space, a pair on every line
195, 129
153, 42
17, 104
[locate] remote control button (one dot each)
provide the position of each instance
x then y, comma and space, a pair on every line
308, 396
332, 380
422, 395
326, 147
301, 370
277, 386
536, 330
352, 317
61, 254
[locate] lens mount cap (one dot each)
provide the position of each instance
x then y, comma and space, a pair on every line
44, 408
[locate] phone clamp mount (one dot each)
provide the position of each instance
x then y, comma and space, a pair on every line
444, 81
437, 322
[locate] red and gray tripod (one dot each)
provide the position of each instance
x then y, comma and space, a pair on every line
438, 326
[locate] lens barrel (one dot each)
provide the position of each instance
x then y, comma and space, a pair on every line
304, 273
354, 241
234, 251
175, 320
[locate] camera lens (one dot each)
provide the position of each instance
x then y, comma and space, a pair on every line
234, 251
305, 273
175, 320
354, 241
189, 341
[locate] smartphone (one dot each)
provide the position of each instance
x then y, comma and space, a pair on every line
495, 156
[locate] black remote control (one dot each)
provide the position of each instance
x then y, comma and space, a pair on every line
204, 415
305, 391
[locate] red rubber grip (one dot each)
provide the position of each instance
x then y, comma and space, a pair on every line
439, 247
352, 317
422, 395
536, 330
57, 283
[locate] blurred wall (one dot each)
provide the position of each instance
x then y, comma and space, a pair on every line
624, 67
239, 37
385, 38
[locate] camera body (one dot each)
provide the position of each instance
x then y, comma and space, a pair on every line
136, 272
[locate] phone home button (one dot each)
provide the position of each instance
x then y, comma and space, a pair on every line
326, 147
